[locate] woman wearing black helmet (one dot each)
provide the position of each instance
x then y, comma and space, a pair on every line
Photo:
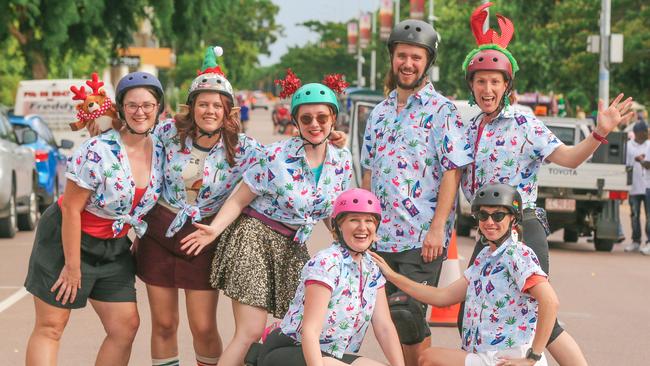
511, 302
81, 250
509, 146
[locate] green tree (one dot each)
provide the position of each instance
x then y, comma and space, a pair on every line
48, 31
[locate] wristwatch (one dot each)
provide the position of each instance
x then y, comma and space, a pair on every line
532, 355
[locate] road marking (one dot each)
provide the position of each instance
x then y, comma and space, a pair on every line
14, 298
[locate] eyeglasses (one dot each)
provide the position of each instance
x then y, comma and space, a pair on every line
497, 216
146, 107
306, 119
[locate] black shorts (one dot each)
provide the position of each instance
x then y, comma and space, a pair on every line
410, 264
282, 350
107, 266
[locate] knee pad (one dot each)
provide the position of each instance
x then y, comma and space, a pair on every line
409, 317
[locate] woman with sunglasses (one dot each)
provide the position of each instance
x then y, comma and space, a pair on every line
511, 146
81, 250
510, 305
284, 194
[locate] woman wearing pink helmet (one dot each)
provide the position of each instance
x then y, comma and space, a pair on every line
340, 290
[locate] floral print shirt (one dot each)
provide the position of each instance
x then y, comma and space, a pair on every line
354, 291
219, 178
407, 154
287, 189
498, 314
102, 166
510, 149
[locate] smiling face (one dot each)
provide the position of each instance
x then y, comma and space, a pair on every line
491, 229
208, 111
140, 109
488, 88
359, 230
315, 122
408, 65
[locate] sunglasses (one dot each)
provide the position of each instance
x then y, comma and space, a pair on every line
306, 119
497, 216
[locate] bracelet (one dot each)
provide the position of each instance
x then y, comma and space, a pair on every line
600, 138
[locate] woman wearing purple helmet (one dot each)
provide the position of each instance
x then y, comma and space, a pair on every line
81, 250
341, 292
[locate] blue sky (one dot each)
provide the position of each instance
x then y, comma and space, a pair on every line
298, 11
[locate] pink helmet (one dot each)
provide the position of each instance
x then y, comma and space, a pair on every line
489, 59
357, 200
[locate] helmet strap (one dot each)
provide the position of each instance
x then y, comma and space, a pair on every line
339, 235
312, 144
134, 132
501, 239
203, 132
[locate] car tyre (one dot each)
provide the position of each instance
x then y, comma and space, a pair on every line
603, 245
570, 235
8, 225
28, 220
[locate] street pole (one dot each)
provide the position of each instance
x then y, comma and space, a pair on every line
373, 53
431, 13
359, 67
396, 12
605, 32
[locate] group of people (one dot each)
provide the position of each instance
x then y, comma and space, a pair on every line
177, 184
638, 161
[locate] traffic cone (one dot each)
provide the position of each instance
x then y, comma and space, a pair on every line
447, 316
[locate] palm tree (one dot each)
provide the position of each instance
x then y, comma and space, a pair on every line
408, 182
427, 163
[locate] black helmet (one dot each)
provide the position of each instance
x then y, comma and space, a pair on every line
499, 194
417, 33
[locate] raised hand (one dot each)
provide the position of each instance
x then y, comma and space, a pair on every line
617, 113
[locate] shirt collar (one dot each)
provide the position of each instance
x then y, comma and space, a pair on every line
506, 113
501, 248
423, 95
347, 258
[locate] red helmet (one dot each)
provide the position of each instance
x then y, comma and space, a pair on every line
489, 60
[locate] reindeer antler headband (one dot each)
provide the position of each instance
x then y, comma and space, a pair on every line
291, 83
491, 39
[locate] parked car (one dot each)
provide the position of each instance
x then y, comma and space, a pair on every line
18, 177
50, 160
260, 100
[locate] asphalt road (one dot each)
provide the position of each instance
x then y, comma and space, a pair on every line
604, 300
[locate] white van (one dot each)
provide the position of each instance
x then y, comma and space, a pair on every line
52, 100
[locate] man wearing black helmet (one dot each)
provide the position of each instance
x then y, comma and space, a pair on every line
413, 146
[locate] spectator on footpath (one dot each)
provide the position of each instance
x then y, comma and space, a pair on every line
637, 150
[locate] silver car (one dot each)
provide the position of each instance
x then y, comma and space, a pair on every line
18, 201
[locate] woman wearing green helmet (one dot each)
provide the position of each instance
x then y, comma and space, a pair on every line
285, 193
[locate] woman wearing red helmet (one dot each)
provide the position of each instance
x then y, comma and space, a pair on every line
341, 292
510, 146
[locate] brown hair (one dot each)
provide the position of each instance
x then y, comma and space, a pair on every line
186, 126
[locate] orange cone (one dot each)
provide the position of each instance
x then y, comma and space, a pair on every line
447, 316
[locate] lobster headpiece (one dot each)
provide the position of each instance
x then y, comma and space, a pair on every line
312, 93
93, 107
491, 53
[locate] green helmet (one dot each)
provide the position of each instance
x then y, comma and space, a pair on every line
314, 93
